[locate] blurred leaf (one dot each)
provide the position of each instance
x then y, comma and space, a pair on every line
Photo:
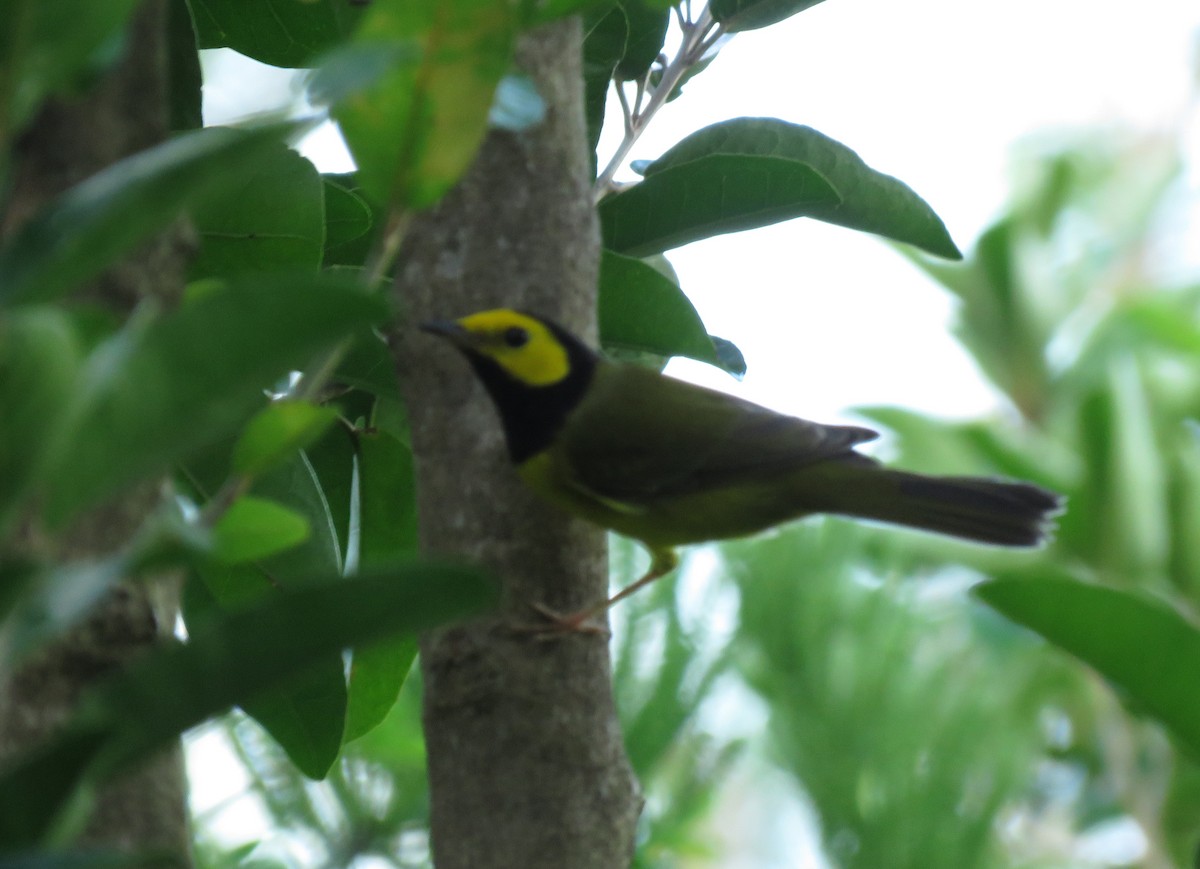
254, 528
709, 196
43, 52
345, 245
413, 124
278, 431
926, 444
542, 11
1146, 649
1123, 494
305, 713
50, 600
516, 105
643, 311
98, 220
273, 220
278, 32
227, 661
156, 393
1184, 515
997, 321
40, 358
749, 172
910, 739
43, 789
738, 15
348, 218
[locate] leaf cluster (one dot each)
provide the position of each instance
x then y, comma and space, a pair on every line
265, 393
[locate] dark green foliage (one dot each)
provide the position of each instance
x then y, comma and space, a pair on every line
753, 171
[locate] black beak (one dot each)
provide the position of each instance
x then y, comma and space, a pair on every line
450, 330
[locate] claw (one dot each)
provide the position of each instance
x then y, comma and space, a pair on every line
663, 561
559, 625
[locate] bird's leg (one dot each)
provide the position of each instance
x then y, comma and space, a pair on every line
663, 561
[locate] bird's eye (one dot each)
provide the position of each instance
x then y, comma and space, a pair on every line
515, 336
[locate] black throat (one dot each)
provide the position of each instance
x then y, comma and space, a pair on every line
533, 415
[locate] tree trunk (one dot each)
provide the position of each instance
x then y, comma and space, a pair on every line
122, 113
526, 763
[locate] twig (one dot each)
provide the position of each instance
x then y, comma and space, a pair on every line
699, 37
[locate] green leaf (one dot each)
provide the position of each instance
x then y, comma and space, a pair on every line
277, 432
388, 515
40, 358
647, 29
272, 220
296, 485
306, 715
283, 33
183, 69
348, 218
710, 196
227, 661
368, 365
377, 673
642, 311
388, 531
94, 223
334, 465
712, 170
606, 30
413, 124
44, 52
738, 15
1143, 646
153, 394
254, 528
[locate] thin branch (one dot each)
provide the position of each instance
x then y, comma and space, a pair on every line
698, 38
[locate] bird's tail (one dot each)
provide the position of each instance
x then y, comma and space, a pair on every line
975, 508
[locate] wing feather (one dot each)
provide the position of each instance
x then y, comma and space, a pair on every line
639, 436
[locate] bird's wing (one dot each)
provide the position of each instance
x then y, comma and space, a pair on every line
639, 436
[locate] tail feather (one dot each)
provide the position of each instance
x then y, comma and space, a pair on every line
975, 508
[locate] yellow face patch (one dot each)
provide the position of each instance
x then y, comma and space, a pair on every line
520, 344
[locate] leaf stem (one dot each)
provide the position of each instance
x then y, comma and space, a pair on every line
699, 37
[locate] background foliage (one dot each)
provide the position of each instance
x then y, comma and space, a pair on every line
875, 674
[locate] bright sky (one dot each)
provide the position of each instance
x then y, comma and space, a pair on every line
934, 92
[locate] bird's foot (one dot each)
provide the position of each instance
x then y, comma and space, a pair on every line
557, 624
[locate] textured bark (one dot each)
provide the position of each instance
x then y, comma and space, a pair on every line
526, 762
122, 113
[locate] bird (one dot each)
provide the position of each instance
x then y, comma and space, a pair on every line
669, 463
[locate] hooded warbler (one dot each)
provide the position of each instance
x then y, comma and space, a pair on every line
669, 463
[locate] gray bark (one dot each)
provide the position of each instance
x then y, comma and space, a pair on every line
122, 113
526, 762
